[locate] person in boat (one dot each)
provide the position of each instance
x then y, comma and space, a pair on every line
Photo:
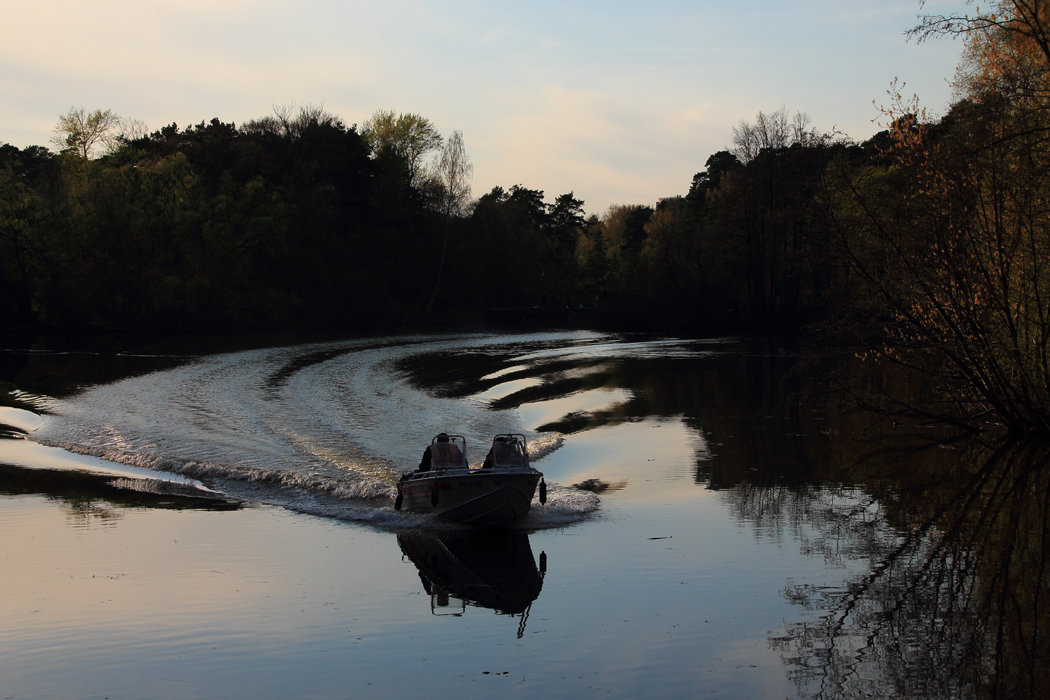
448, 453
445, 454
498, 442
424, 462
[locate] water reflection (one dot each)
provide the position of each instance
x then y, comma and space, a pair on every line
96, 498
954, 602
487, 568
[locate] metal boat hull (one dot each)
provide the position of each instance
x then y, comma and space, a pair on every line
480, 497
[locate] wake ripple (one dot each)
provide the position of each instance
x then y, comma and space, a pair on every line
324, 429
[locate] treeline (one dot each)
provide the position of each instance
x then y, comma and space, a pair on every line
303, 222
279, 223
283, 222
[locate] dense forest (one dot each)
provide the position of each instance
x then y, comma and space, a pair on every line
299, 221
924, 243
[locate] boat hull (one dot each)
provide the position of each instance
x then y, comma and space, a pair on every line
482, 498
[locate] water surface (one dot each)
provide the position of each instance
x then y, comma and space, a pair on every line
221, 525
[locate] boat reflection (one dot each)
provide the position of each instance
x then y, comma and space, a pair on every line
488, 568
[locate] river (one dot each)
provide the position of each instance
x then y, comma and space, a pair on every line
719, 521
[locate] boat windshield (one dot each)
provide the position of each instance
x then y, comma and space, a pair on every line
447, 452
508, 451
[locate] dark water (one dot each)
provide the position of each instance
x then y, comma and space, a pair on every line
719, 522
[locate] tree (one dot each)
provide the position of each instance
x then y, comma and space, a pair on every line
671, 253
1007, 49
23, 218
410, 136
290, 123
453, 178
623, 230
454, 171
1024, 19
566, 216
960, 256
773, 131
510, 228
86, 133
559, 269
592, 260
709, 179
769, 131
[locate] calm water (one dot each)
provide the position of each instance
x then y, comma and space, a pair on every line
717, 524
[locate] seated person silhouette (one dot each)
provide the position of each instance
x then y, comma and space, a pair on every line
441, 454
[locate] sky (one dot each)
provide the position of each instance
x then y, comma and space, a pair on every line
616, 102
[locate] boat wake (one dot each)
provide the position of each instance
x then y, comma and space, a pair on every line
324, 429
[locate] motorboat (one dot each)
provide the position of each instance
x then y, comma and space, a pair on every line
496, 493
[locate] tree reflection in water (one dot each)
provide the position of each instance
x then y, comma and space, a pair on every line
954, 603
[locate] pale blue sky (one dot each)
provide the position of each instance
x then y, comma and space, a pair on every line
620, 102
